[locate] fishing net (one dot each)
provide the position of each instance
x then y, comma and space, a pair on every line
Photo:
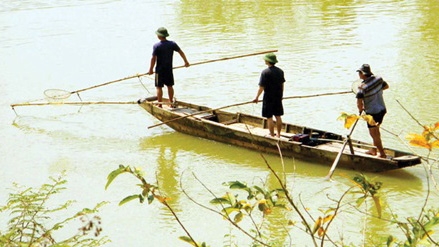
355, 86
56, 95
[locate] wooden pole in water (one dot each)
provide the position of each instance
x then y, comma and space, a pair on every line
76, 103
348, 140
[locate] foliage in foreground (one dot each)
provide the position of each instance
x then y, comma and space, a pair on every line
31, 224
418, 231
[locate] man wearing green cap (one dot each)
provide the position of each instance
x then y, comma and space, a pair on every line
271, 83
162, 55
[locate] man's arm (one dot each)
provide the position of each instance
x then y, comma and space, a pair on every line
186, 62
360, 105
260, 90
152, 64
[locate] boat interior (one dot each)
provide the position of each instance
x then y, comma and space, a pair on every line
258, 126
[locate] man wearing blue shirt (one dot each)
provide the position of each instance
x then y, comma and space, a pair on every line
162, 55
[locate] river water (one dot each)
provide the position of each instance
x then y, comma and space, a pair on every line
72, 45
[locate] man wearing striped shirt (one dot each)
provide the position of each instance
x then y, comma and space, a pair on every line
370, 100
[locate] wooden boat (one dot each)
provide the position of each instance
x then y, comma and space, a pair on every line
296, 141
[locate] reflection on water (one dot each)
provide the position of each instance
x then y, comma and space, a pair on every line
181, 144
305, 180
168, 174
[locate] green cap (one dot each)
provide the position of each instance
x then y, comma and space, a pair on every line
271, 58
162, 32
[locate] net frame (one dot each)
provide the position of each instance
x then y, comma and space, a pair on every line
56, 95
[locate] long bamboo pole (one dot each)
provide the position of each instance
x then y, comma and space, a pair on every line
143, 74
337, 159
76, 103
197, 113
316, 95
228, 58
248, 102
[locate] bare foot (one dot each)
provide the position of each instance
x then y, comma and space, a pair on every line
371, 152
381, 156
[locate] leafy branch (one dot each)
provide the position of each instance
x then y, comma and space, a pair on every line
30, 222
150, 192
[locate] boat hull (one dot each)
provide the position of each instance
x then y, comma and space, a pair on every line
250, 132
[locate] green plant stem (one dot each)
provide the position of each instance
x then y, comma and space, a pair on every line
223, 215
180, 223
428, 235
337, 208
174, 214
290, 200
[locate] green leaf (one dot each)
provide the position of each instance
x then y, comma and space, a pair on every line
250, 194
150, 199
431, 223
128, 199
280, 206
238, 217
237, 185
187, 240
262, 205
229, 210
360, 201
232, 198
329, 210
390, 241
114, 174
262, 191
220, 201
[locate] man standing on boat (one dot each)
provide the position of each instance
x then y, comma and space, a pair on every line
370, 100
271, 83
162, 54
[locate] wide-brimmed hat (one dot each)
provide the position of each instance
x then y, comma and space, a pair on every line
271, 58
365, 69
162, 32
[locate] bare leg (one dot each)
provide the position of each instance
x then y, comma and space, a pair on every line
171, 93
278, 125
159, 95
270, 125
376, 137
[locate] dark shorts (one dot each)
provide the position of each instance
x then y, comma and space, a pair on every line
270, 109
377, 117
164, 79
